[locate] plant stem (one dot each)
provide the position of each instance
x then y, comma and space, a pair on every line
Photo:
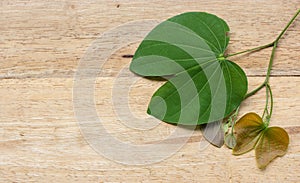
271, 100
234, 118
287, 26
251, 50
266, 82
255, 90
270, 63
274, 44
266, 112
270, 44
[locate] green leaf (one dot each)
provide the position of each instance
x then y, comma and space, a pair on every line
204, 86
248, 131
269, 142
272, 144
230, 140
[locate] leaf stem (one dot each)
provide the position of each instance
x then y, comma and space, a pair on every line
234, 116
270, 63
251, 50
270, 44
266, 82
255, 90
266, 112
287, 26
271, 100
274, 44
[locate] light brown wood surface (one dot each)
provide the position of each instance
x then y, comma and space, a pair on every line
41, 44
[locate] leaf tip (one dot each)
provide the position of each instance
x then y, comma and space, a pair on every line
149, 111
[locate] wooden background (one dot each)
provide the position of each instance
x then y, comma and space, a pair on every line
41, 44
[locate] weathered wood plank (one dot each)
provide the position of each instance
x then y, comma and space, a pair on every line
47, 39
40, 137
41, 44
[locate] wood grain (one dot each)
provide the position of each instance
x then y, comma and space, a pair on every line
41, 44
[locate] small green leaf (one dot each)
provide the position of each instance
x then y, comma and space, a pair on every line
230, 140
269, 142
204, 85
273, 143
248, 131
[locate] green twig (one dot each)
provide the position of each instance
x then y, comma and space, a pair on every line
255, 90
234, 118
251, 50
271, 100
266, 112
275, 43
287, 26
270, 44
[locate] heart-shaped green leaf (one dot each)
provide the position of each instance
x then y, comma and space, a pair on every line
204, 86
273, 143
269, 142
